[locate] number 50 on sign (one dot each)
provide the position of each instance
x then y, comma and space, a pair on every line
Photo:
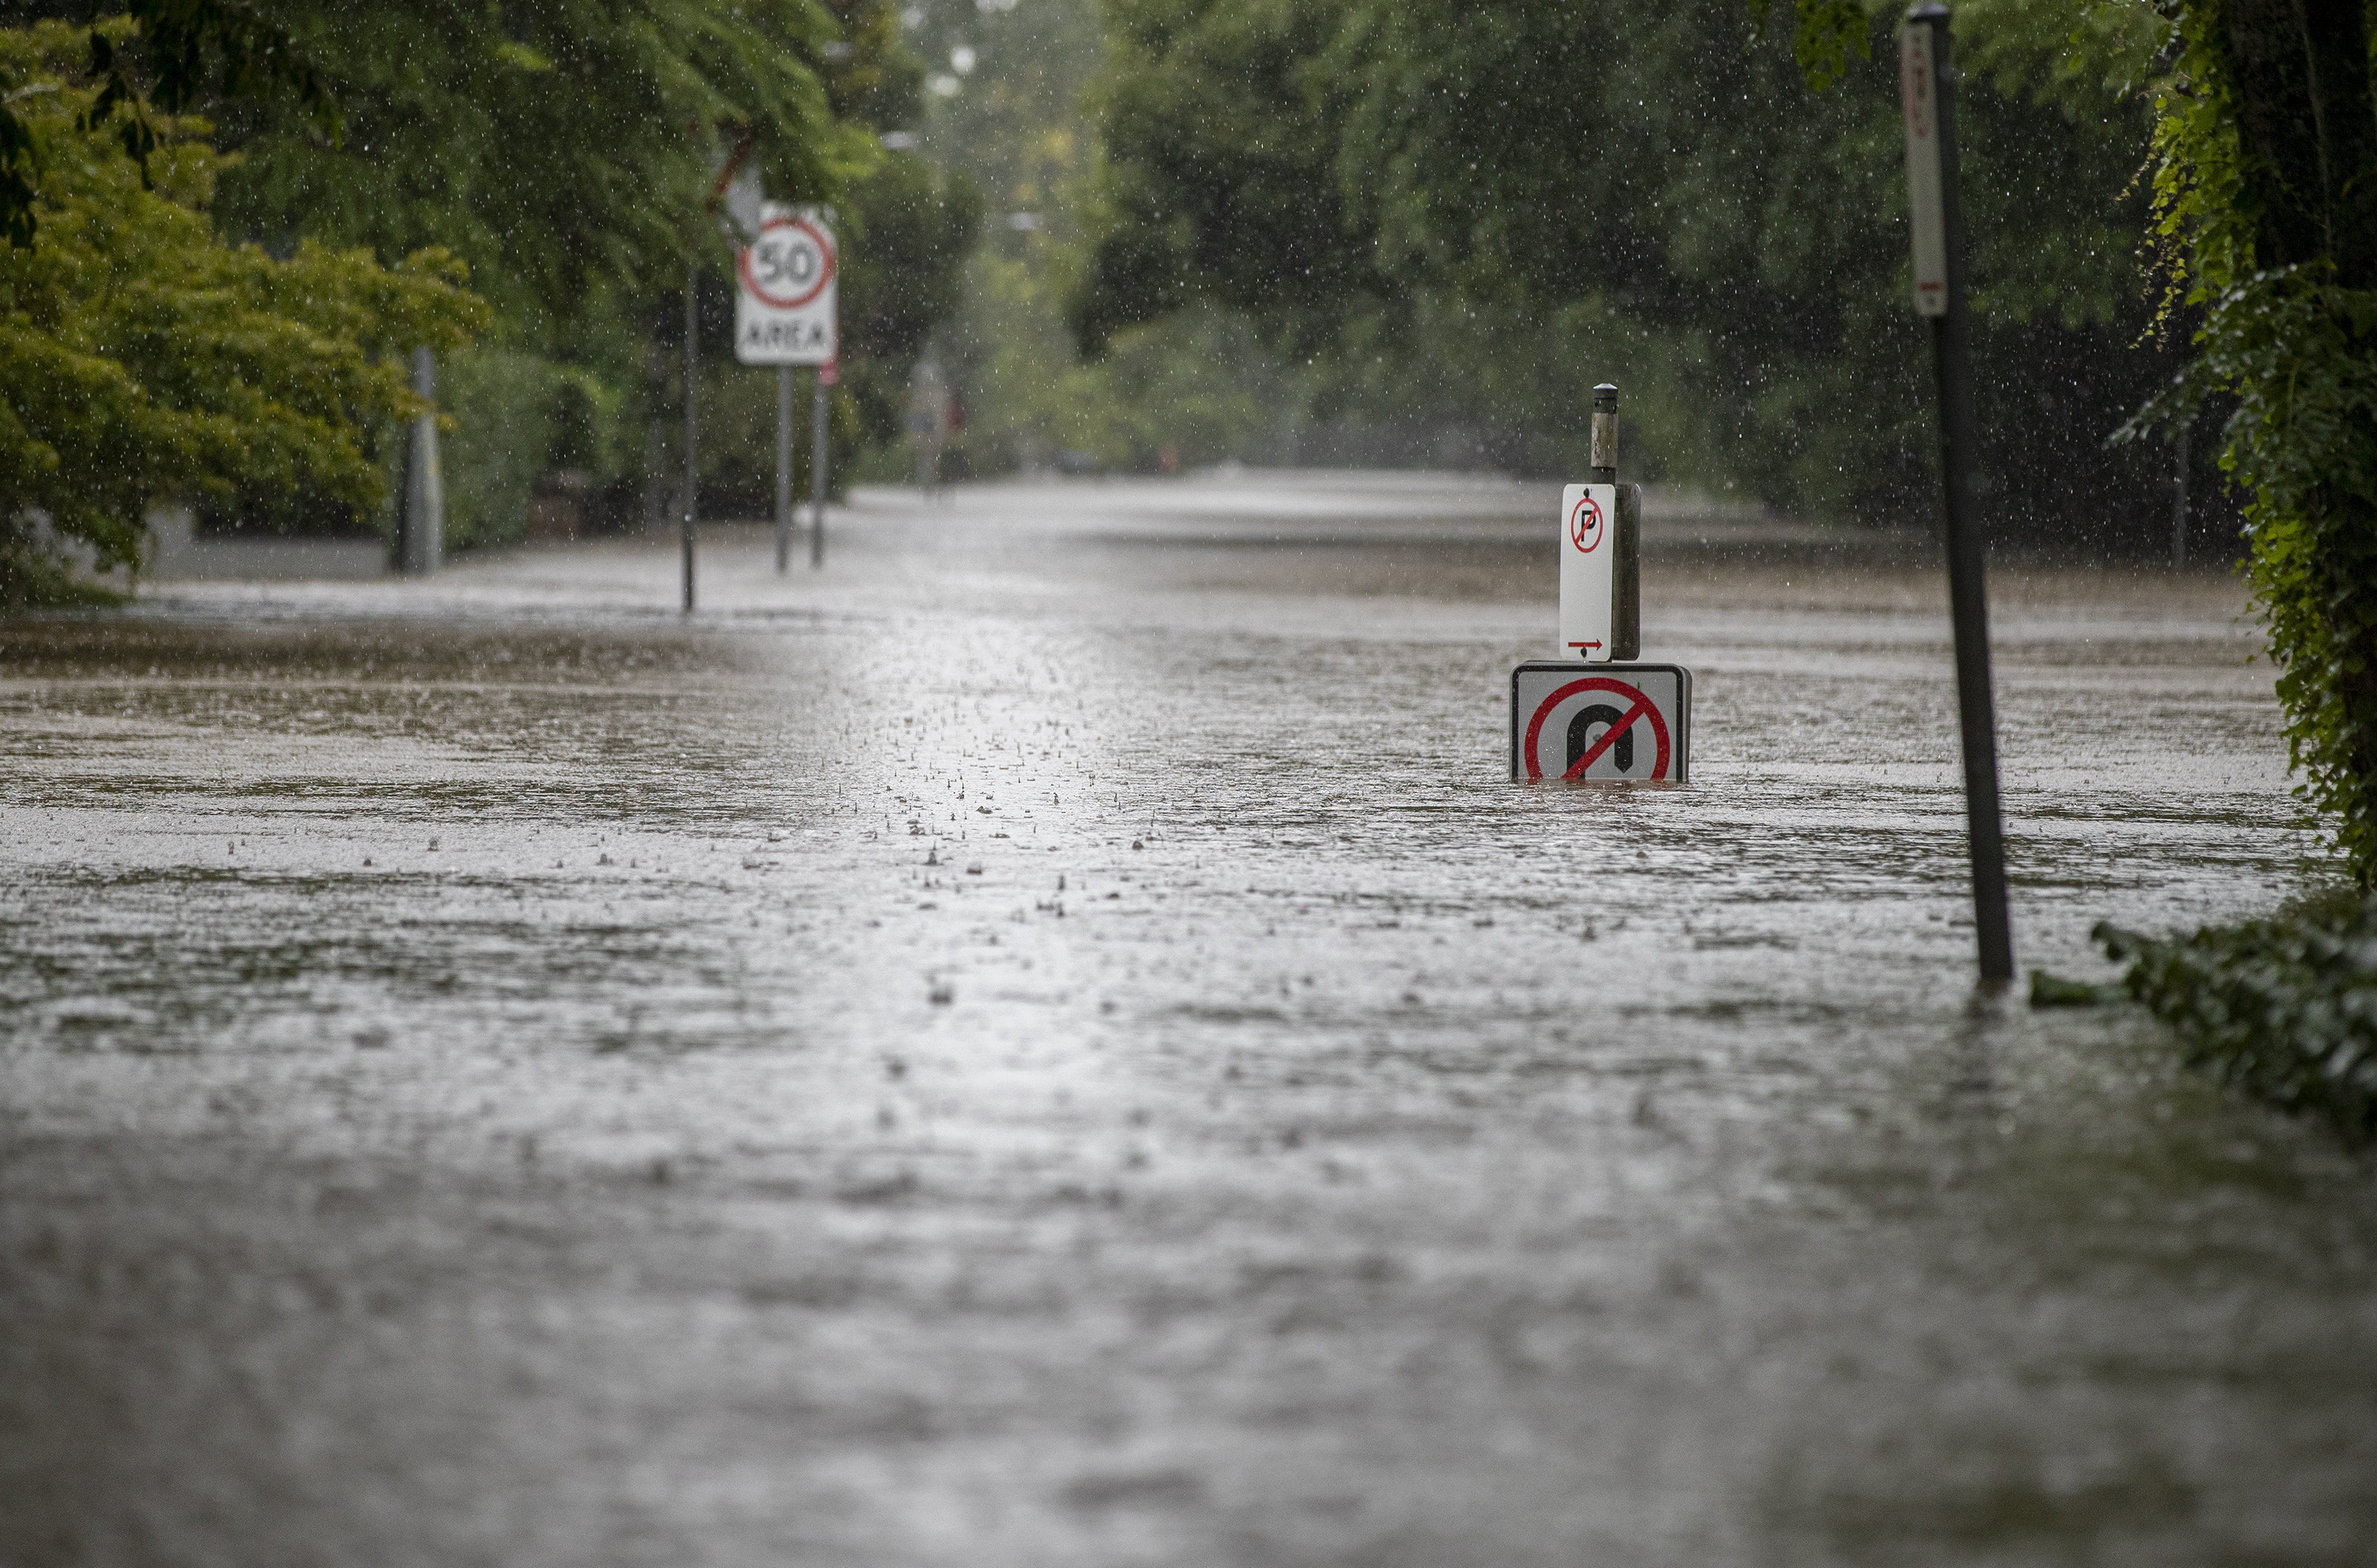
785, 305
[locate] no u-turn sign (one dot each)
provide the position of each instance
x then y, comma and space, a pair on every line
1616, 723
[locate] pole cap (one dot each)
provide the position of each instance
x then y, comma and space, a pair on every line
1605, 399
1926, 11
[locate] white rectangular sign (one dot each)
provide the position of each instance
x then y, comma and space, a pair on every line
786, 310
1613, 723
1918, 93
1588, 548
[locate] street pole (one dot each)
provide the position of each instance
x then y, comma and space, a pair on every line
816, 470
692, 433
1926, 83
783, 467
421, 536
2179, 504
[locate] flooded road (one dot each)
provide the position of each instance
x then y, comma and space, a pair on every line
1053, 1042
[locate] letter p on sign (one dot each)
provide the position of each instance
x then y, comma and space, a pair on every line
1588, 548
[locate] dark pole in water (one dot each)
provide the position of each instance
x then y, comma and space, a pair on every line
1925, 79
692, 434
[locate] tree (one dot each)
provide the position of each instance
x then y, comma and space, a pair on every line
2266, 191
2265, 151
1465, 203
192, 46
563, 147
145, 359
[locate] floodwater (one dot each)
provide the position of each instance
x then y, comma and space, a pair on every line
1053, 1041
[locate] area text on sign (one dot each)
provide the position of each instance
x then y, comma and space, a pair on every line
786, 304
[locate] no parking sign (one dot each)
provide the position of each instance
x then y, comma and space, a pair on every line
1628, 723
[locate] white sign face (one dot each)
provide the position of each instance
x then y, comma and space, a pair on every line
1588, 550
1919, 95
1621, 723
786, 309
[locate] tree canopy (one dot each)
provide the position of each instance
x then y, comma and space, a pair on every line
1455, 191
564, 152
559, 146
144, 359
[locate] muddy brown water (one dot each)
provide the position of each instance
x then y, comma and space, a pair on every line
1052, 1042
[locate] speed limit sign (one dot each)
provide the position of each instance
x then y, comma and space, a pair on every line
784, 308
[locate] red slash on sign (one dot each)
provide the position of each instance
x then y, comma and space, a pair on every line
1584, 526
1638, 707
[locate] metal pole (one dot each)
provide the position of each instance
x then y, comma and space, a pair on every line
2178, 503
692, 433
1968, 600
817, 472
1605, 434
783, 467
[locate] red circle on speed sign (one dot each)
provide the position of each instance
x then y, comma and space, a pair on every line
788, 265
1585, 525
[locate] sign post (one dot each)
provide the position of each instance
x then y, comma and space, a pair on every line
783, 467
827, 374
786, 313
1601, 527
1924, 79
692, 434
1611, 720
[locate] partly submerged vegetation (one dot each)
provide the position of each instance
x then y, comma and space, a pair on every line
2285, 1007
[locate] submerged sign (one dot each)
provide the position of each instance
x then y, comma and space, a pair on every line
1629, 722
786, 305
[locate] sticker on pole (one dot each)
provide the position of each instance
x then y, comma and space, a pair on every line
1621, 723
785, 299
1918, 98
1588, 572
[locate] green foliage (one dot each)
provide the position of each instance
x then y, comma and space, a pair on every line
564, 148
145, 359
179, 40
2263, 204
1223, 122
186, 46
1156, 387
903, 278
1827, 38
2287, 1007
1416, 201
509, 414
561, 146
1010, 127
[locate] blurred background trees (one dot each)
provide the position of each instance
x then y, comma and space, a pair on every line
143, 358
560, 153
1455, 219
1159, 234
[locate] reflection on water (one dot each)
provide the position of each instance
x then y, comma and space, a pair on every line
1046, 1047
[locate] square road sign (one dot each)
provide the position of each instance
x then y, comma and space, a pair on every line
1601, 721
